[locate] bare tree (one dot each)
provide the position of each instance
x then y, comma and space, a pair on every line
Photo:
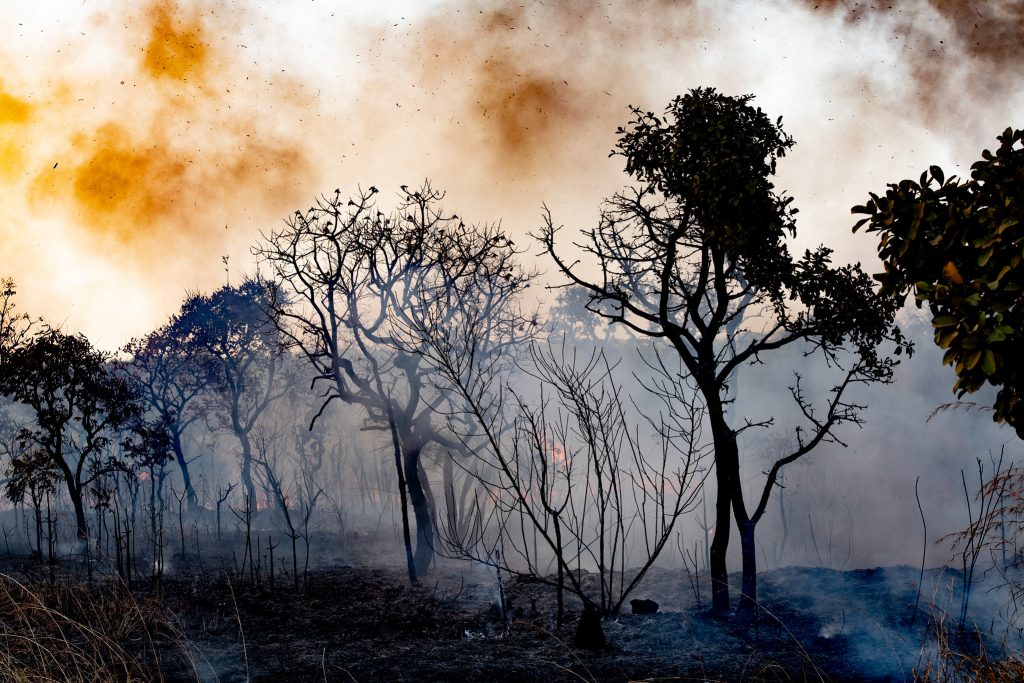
361, 291
288, 459
15, 327
569, 481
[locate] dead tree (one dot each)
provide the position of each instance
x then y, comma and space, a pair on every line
570, 483
360, 289
15, 327
289, 478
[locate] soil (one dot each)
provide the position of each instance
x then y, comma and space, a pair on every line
364, 623
368, 624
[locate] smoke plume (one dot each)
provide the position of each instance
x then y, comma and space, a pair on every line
141, 143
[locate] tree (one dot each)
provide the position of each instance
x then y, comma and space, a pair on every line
695, 255
31, 475
14, 327
233, 328
362, 289
568, 480
957, 245
80, 407
173, 378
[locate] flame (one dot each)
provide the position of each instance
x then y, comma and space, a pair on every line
557, 453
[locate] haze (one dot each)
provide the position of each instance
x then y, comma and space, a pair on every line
140, 143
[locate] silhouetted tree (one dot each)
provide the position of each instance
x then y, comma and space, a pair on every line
79, 404
957, 244
233, 327
14, 327
173, 377
695, 255
31, 475
364, 289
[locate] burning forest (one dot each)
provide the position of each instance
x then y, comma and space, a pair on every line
549, 414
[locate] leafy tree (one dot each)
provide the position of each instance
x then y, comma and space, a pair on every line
232, 327
695, 255
958, 245
80, 407
173, 378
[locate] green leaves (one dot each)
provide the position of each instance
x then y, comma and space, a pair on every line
713, 156
960, 247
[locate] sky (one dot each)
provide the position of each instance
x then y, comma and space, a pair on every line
144, 146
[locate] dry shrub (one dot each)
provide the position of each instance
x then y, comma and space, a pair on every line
70, 632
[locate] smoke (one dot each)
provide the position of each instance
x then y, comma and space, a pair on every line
132, 135
177, 146
958, 54
137, 170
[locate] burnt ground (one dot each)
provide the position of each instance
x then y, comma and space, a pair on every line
364, 623
368, 624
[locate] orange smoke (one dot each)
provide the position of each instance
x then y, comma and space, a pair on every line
516, 93
176, 47
172, 154
521, 113
130, 141
15, 113
12, 109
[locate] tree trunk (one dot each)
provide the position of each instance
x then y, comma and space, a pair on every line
243, 438
80, 522
179, 455
727, 476
748, 599
403, 495
719, 546
421, 508
246, 475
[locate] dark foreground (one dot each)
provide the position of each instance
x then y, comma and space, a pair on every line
369, 625
366, 624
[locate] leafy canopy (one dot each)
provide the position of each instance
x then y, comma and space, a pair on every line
715, 154
698, 254
958, 245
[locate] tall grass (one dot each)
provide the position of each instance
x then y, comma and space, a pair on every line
73, 632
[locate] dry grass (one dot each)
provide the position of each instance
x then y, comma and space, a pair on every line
71, 632
962, 655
